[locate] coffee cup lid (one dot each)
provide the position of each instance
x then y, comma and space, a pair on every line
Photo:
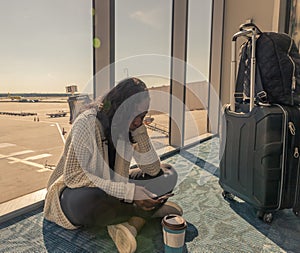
174, 221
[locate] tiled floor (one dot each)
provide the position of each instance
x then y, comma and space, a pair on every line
214, 224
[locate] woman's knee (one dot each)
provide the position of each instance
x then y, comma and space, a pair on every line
169, 171
163, 183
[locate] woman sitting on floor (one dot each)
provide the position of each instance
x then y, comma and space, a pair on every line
93, 185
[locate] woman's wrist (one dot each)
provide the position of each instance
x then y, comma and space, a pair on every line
140, 130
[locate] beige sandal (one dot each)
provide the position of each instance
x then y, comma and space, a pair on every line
123, 238
168, 208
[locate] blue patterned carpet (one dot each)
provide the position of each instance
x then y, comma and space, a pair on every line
214, 224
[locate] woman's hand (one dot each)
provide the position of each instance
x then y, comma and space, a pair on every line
144, 198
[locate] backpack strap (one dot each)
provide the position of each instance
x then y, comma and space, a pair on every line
261, 95
249, 25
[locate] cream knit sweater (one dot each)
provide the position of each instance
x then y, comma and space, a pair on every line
84, 163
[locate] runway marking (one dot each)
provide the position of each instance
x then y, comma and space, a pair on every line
26, 162
4, 145
16, 153
34, 157
60, 133
37, 157
41, 167
44, 170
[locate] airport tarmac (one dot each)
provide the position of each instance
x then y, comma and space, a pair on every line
30, 146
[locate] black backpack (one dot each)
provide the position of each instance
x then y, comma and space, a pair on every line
277, 69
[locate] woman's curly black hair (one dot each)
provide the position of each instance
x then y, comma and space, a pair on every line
117, 110
122, 93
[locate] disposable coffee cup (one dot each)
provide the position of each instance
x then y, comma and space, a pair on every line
173, 227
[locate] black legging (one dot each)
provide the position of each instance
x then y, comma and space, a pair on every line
89, 207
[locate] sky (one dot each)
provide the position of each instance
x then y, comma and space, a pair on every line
46, 45
144, 27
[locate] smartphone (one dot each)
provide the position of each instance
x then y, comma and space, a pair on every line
166, 196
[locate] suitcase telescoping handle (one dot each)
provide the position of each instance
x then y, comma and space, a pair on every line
246, 31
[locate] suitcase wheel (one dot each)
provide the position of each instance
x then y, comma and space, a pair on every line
296, 212
227, 195
266, 217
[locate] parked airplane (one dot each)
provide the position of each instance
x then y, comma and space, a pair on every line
14, 97
57, 114
21, 99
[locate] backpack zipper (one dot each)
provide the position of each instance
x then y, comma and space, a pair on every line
292, 128
294, 67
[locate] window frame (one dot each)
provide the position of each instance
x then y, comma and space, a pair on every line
104, 56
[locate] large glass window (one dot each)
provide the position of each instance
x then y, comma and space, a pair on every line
198, 62
294, 21
142, 49
45, 46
